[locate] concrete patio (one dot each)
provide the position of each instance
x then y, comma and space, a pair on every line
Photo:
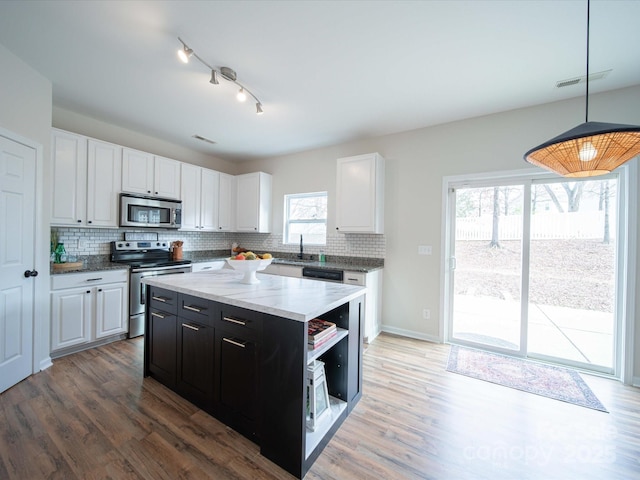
584, 336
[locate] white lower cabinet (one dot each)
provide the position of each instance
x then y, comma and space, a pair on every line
372, 300
87, 308
283, 270
209, 266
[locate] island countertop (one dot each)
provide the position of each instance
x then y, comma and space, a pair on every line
298, 299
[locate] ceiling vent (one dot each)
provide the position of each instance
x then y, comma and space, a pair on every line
204, 139
577, 80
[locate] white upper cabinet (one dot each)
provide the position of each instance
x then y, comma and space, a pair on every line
253, 202
148, 174
199, 198
226, 203
69, 175
166, 177
86, 181
209, 187
360, 194
104, 171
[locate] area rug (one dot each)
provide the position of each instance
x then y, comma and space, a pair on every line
546, 380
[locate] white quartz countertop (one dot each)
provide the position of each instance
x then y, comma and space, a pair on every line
294, 298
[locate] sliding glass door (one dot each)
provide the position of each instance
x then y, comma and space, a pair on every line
487, 256
572, 275
532, 269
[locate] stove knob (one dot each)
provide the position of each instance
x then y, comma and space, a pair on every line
158, 244
120, 245
128, 244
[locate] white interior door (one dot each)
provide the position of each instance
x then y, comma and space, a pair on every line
17, 256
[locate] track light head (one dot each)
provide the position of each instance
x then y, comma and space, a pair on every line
185, 53
259, 110
214, 78
241, 96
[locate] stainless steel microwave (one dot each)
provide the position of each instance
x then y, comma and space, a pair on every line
149, 212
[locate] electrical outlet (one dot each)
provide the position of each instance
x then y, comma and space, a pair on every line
82, 243
426, 314
424, 249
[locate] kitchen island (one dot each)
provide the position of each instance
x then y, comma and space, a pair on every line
241, 353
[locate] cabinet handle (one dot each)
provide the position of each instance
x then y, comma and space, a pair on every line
161, 299
190, 327
89, 221
88, 291
79, 221
193, 309
233, 342
154, 314
93, 279
233, 320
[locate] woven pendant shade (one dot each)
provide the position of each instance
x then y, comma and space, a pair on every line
590, 149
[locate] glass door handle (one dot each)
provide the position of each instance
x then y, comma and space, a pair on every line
452, 263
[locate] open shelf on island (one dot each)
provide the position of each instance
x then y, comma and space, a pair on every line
314, 437
314, 353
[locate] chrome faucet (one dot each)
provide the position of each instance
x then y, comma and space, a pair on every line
300, 255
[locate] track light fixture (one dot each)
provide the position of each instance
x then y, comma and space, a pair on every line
225, 72
591, 148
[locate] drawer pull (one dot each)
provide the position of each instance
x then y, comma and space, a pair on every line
161, 299
93, 279
233, 320
193, 309
233, 342
154, 314
186, 325
206, 268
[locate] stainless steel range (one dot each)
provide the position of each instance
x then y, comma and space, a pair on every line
146, 259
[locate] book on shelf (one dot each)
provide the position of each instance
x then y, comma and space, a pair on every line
318, 343
318, 329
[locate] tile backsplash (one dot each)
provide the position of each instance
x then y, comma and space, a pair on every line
96, 241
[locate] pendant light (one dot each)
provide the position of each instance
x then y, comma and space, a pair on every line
590, 149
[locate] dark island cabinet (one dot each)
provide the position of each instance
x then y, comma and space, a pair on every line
196, 351
195, 363
160, 353
238, 348
249, 369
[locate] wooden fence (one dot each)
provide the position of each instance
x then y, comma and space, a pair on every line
576, 225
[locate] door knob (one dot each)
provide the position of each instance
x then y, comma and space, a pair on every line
30, 273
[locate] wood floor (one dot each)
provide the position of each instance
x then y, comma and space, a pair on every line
93, 416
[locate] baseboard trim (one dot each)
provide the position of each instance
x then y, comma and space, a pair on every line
635, 381
45, 363
410, 333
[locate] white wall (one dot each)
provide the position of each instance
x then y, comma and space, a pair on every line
25, 109
91, 127
416, 163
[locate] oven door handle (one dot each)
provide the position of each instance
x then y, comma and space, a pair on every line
143, 294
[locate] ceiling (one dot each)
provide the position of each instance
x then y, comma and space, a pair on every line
326, 72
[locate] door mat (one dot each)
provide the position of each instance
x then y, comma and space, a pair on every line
546, 380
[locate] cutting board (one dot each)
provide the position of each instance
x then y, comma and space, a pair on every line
61, 267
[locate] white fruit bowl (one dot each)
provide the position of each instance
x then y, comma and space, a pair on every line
249, 268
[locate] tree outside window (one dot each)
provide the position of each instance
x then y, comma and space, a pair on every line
306, 215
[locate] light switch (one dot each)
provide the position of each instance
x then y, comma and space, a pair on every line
424, 249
